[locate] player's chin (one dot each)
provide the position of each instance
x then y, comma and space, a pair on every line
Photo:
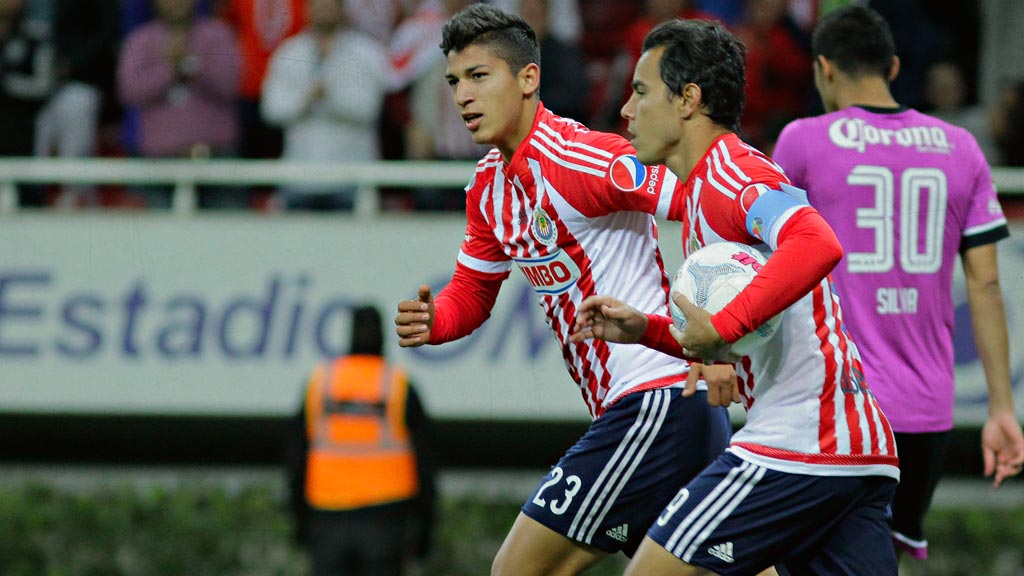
646, 158
480, 136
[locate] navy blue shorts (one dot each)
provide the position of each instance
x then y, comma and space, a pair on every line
740, 518
611, 485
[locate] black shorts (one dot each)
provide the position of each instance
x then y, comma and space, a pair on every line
921, 458
611, 485
738, 518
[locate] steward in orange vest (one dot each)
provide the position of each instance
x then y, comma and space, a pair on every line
362, 478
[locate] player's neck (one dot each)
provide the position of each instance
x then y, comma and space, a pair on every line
866, 92
693, 147
509, 146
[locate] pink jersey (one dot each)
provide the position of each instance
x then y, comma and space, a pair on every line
572, 209
809, 410
903, 192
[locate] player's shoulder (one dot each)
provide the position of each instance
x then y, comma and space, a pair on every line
570, 151
810, 126
485, 171
564, 135
745, 164
931, 134
955, 133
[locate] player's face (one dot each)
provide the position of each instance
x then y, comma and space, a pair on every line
651, 111
491, 98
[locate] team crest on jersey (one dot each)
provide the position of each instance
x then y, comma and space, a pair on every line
627, 173
544, 229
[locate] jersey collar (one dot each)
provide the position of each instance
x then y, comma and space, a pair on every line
882, 109
698, 167
518, 160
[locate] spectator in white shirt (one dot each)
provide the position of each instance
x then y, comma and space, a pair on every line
325, 87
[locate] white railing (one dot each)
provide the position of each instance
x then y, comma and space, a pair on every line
185, 175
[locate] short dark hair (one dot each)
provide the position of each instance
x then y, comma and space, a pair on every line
367, 331
857, 39
704, 53
508, 35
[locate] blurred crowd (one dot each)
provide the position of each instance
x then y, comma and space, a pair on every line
361, 80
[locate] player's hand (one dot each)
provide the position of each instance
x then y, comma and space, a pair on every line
723, 388
415, 319
607, 318
1002, 446
700, 340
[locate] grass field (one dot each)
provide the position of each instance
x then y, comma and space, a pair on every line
199, 526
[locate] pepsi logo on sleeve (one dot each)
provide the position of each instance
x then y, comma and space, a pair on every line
627, 173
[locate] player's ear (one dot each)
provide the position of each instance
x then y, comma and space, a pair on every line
894, 69
689, 102
529, 79
825, 66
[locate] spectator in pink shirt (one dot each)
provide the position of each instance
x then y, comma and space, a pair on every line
182, 73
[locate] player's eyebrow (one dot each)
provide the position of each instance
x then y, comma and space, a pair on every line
638, 84
468, 70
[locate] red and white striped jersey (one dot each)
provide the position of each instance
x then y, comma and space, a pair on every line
573, 210
809, 410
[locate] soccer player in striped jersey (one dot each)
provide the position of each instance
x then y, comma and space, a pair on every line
572, 210
807, 480
905, 192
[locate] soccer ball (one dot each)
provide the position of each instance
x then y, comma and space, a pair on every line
712, 276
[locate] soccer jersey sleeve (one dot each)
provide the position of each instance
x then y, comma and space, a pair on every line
466, 302
985, 222
603, 175
805, 251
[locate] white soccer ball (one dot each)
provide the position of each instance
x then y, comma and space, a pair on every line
712, 276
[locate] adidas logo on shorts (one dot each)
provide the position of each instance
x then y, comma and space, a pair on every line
620, 533
722, 551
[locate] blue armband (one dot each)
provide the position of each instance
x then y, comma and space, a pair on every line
772, 209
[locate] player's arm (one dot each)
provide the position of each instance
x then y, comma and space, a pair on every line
610, 319
466, 302
805, 251
459, 309
607, 318
1002, 440
604, 176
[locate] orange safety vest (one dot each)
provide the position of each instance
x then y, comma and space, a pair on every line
359, 448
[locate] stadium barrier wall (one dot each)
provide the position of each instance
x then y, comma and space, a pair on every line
150, 313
